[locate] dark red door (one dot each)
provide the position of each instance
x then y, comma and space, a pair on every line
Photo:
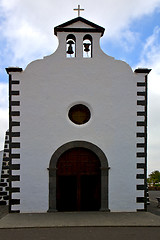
78, 181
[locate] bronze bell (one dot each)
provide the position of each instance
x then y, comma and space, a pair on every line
86, 47
70, 49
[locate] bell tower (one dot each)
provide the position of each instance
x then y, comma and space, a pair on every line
78, 38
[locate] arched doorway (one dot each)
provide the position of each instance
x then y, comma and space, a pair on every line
78, 181
97, 177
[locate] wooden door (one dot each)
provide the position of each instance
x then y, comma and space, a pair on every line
78, 181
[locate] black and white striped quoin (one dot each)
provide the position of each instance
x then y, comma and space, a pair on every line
14, 137
141, 136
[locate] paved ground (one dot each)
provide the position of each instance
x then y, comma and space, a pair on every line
81, 219
136, 232
81, 233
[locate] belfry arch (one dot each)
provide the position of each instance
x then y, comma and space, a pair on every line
103, 172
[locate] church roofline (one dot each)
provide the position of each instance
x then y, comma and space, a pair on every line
142, 70
13, 69
63, 27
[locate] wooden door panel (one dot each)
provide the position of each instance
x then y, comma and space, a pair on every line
67, 193
78, 161
90, 193
78, 181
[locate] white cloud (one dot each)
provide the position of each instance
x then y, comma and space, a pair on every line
150, 58
3, 112
154, 131
151, 49
28, 25
4, 96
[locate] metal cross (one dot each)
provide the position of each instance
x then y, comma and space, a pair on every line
78, 9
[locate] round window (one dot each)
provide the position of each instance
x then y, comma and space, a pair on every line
79, 114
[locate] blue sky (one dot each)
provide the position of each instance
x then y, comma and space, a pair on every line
132, 34
142, 28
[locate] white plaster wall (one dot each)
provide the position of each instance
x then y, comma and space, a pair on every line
49, 87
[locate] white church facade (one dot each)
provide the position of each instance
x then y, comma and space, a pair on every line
78, 128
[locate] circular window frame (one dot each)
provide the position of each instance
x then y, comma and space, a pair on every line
77, 118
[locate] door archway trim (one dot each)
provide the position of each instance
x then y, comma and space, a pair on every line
104, 171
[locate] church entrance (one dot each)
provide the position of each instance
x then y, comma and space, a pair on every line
78, 181
78, 178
